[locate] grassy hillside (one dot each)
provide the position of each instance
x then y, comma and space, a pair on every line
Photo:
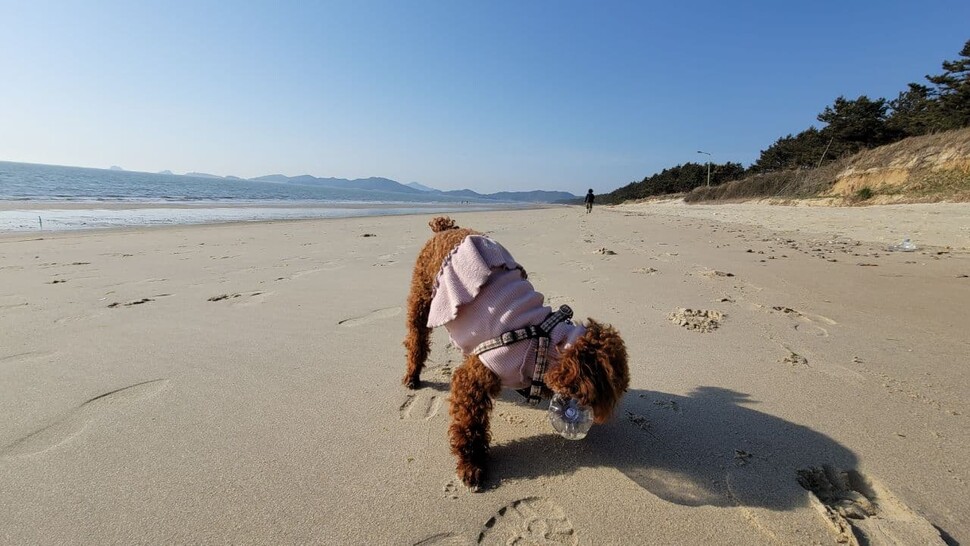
918, 169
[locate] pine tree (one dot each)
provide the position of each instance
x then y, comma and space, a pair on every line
857, 124
912, 112
952, 93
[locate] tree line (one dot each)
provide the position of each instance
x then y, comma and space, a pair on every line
851, 125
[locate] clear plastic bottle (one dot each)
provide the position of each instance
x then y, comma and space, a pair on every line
570, 419
905, 246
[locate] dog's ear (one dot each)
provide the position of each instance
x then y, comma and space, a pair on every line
442, 223
593, 370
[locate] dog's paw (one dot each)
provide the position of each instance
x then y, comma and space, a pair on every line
412, 383
472, 476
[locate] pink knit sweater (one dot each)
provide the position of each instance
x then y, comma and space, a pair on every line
481, 293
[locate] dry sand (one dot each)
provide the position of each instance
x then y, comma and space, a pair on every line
240, 384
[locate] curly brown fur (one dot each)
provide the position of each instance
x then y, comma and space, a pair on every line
442, 223
473, 388
593, 370
447, 236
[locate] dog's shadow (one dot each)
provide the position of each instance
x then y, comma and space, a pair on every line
440, 386
709, 448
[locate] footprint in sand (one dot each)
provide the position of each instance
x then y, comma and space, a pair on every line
452, 489
152, 280
387, 259
138, 301
10, 302
806, 316
130, 303
332, 265
862, 511
128, 283
418, 407
373, 316
713, 274
221, 297
250, 298
793, 359
639, 421
78, 420
513, 419
25, 357
236, 295
669, 404
532, 520
809, 320
442, 372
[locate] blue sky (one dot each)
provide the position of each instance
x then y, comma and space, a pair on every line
500, 95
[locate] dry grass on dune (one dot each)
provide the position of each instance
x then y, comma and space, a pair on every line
926, 168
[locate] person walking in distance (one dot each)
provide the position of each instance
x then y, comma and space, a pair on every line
589, 201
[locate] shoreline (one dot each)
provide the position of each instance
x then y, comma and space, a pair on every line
36, 204
64, 216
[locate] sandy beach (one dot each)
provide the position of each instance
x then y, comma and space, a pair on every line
240, 383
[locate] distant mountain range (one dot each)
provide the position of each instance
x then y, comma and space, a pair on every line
413, 188
392, 186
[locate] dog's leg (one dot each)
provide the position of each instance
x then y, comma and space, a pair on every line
473, 388
418, 340
426, 268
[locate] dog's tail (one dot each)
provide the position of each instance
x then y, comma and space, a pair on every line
442, 223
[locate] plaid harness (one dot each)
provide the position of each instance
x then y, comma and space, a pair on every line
542, 332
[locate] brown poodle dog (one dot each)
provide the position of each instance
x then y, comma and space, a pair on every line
587, 362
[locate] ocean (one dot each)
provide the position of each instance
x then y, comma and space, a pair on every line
55, 198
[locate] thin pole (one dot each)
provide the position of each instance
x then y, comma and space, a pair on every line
825, 152
709, 156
